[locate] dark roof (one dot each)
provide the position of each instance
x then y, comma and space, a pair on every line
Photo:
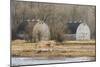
72, 27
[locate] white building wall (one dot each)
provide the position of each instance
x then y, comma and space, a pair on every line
83, 32
43, 30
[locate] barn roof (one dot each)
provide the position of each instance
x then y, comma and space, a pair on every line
72, 27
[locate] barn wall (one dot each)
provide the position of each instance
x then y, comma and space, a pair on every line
69, 37
83, 32
41, 32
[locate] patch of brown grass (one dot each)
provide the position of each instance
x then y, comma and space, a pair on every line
53, 49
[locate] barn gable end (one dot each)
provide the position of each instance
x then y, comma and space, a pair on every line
83, 32
41, 32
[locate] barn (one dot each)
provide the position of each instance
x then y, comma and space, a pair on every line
41, 32
83, 32
77, 31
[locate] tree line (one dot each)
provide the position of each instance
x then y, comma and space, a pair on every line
54, 15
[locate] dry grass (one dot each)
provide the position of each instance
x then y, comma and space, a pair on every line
55, 49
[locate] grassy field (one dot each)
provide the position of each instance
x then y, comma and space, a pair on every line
53, 49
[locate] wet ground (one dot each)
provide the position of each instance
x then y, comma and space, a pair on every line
15, 61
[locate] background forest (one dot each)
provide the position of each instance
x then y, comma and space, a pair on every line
55, 15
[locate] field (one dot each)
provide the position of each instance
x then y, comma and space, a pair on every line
45, 49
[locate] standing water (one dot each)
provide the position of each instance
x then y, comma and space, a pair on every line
33, 61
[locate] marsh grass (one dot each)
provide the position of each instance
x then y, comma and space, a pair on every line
20, 48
